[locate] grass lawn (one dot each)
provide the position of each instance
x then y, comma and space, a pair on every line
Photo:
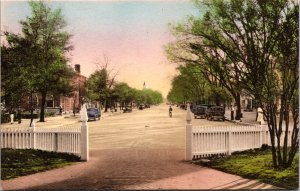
21, 162
257, 164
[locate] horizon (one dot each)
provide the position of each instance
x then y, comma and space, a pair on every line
132, 34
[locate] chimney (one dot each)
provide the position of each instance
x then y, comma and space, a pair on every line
77, 68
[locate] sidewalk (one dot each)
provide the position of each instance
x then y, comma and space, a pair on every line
133, 169
58, 121
49, 121
249, 118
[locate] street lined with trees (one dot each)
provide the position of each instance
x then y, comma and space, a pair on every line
103, 88
35, 62
249, 46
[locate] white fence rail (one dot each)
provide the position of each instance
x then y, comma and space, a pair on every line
207, 141
67, 139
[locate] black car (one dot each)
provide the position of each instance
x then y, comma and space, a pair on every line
215, 113
141, 106
93, 113
195, 107
200, 111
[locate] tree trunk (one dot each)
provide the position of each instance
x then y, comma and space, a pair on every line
74, 102
217, 101
31, 109
272, 135
238, 105
106, 105
285, 142
43, 103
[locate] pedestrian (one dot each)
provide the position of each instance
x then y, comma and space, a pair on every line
232, 112
60, 110
260, 116
12, 117
170, 111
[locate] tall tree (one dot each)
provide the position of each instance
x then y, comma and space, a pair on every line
44, 29
191, 85
16, 82
251, 45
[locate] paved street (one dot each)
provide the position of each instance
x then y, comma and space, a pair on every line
138, 150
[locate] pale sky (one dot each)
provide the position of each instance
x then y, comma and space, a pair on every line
131, 33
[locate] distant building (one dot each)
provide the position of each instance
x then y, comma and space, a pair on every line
75, 101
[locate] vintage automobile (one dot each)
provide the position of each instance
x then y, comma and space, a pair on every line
141, 106
200, 111
127, 110
93, 113
215, 113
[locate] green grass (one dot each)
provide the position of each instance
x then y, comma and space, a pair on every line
257, 164
21, 162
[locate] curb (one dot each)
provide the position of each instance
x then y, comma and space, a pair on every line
239, 122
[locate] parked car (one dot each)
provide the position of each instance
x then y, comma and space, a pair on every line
127, 110
215, 113
147, 106
93, 113
182, 106
193, 108
141, 106
200, 111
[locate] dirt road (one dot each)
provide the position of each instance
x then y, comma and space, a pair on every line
138, 150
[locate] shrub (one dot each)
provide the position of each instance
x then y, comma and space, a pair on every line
27, 115
49, 114
5, 118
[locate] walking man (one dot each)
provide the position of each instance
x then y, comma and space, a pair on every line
170, 111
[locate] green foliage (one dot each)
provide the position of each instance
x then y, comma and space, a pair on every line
35, 60
27, 115
256, 164
253, 47
21, 162
5, 117
152, 97
97, 85
49, 114
102, 88
191, 85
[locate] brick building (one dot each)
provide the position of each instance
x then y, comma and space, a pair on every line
79, 83
54, 102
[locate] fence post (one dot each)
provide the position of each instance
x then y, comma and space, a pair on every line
189, 135
84, 135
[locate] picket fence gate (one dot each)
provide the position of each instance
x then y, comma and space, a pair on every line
207, 141
65, 139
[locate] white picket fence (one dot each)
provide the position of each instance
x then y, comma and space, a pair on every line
206, 141
66, 139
